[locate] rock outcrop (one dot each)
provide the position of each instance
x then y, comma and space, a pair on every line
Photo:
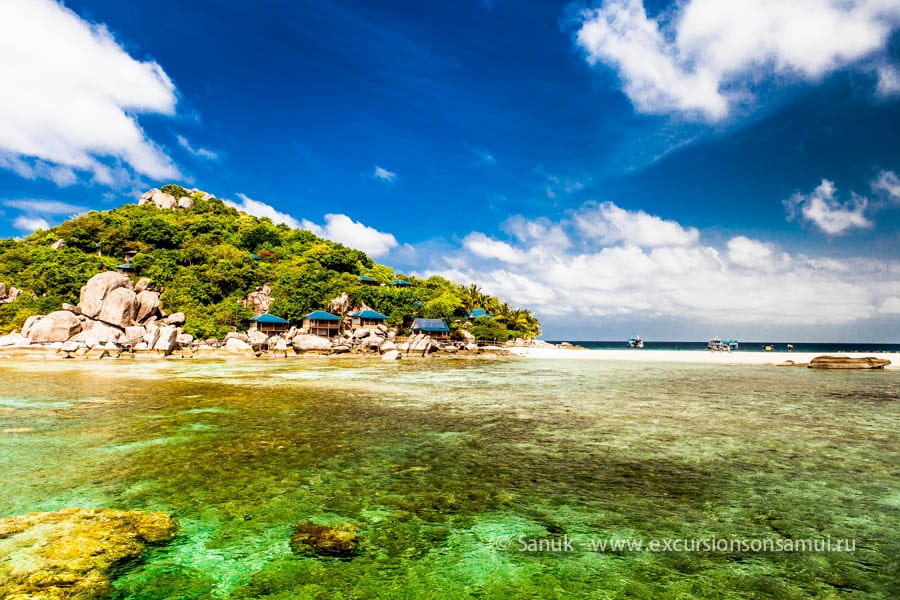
97, 289
309, 538
7, 296
305, 343
147, 305
58, 326
159, 198
72, 553
845, 362
58, 245
259, 300
119, 307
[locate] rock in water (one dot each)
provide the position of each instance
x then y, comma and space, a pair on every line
58, 326
845, 362
303, 343
310, 538
71, 553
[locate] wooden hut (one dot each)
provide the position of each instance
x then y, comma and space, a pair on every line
367, 319
323, 324
269, 324
436, 328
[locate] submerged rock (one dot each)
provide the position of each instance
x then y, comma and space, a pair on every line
845, 362
71, 553
310, 538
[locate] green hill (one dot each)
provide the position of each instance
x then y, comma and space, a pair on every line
208, 258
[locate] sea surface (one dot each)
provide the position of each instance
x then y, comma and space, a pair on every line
471, 478
821, 347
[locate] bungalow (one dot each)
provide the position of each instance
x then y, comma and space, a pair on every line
322, 323
125, 268
402, 283
478, 312
269, 324
366, 280
436, 328
367, 319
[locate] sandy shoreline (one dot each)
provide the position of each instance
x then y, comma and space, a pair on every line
692, 356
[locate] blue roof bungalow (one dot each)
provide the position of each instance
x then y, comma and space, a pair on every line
366, 280
367, 319
322, 323
402, 283
267, 323
436, 328
125, 268
479, 312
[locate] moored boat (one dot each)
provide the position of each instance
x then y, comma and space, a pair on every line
636, 342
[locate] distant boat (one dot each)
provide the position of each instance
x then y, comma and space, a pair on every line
733, 344
717, 345
636, 342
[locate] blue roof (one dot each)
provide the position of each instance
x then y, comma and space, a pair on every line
370, 314
435, 325
254, 256
321, 315
267, 318
401, 282
126, 267
478, 312
367, 278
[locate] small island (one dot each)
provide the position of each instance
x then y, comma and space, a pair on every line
180, 272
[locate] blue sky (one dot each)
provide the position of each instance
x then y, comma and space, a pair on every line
680, 170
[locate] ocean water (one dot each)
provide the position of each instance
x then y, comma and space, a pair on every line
501, 478
821, 347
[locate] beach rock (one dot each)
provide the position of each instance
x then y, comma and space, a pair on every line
143, 283
467, 337
13, 340
421, 344
168, 336
238, 336
58, 244
471, 347
309, 538
95, 333
58, 326
387, 346
185, 203
71, 308
150, 338
119, 308
361, 333
391, 355
373, 342
340, 349
177, 319
72, 553
184, 339
236, 345
306, 342
257, 337
135, 332
29, 323
147, 303
70, 346
97, 289
845, 362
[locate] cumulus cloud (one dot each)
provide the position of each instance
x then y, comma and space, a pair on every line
822, 209
71, 93
30, 224
384, 175
564, 269
198, 152
261, 209
888, 183
45, 207
344, 230
890, 306
607, 224
702, 57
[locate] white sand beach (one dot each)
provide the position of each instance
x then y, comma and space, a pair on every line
692, 356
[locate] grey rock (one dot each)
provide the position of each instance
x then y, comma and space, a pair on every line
119, 307
185, 202
177, 319
168, 336
388, 346
58, 326
147, 305
29, 323
13, 340
236, 345
236, 335
98, 288
58, 245
142, 284
391, 355
305, 343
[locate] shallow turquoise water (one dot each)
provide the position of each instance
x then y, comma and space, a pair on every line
444, 462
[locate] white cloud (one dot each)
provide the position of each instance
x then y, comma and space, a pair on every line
823, 210
481, 245
705, 56
198, 152
261, 209
484, 156
607, 224
559, 272
70, 96
888, 81
45, 207
888, 183
384, 174
344, 230
30, 224
890, 306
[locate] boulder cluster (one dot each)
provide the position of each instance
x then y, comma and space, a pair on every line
7, 296
112, 314
166, 201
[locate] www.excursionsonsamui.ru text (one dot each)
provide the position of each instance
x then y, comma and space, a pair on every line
565, 543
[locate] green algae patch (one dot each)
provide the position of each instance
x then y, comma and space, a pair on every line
72, 553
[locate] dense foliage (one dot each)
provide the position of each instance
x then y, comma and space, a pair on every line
208, 258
